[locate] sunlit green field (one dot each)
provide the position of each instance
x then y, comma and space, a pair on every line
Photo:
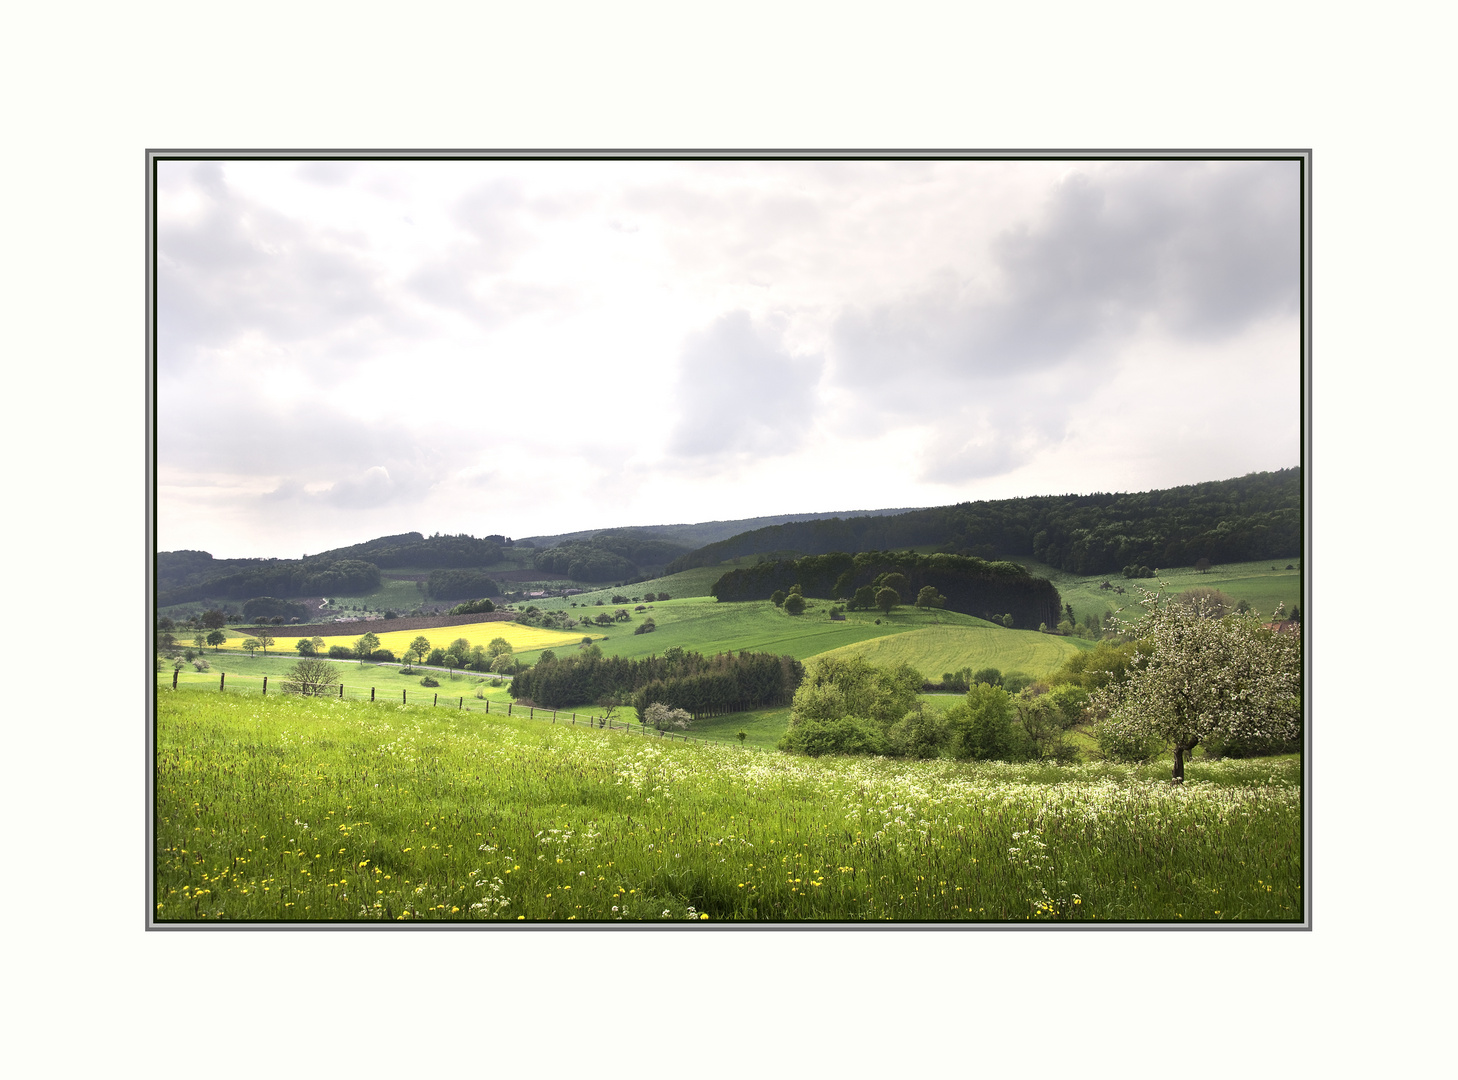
1256, 582
706, 626
933, 650
288, 809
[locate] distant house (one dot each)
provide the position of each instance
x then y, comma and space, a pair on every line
1284, 626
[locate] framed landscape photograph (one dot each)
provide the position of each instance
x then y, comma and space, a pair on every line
729, 539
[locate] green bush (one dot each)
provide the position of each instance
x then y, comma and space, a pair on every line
848, 735
921, 733
1116, 745
981, 727
341, 652
988, 676
426, 680
382, 656
1015, 682
1071, 702
1246, 748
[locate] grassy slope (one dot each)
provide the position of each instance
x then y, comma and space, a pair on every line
937, 649
1255, 582
287, 809
708, 627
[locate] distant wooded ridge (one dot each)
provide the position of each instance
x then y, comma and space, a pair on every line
1257, 516
999, 591
1253, 517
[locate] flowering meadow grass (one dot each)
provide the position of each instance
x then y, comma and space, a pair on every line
315, 809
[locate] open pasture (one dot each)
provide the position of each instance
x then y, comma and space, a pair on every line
315, 809
1254, 582
933, 650
688, 583
709, 627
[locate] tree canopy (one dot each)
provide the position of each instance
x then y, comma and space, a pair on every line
1204, 678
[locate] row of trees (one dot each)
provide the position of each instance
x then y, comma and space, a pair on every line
700, 684
460, 584
282, 578
959, 583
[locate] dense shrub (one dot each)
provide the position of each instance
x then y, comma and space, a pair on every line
847, 735
921, 733
383, 656
981, 727
426, 680
471, 607
1119, 745
341, 652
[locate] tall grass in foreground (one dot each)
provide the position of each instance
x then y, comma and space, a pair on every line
316, 809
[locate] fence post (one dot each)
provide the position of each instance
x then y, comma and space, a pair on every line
221, 676
341, 691
372, 693
174, 678
488, 705
265, 686
402, 697
436, 701
508, 708
531, 712
462, 704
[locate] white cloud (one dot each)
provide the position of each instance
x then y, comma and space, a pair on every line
528, 347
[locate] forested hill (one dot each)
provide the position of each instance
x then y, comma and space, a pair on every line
1257, 516
700, 533
190, 575
999, 591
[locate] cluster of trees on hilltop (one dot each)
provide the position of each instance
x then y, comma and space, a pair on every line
183, 576
970, 585
701, 685
281, 578
460, 585
608, 556
1248, 518
427, 552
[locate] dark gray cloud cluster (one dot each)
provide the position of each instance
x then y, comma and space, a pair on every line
1196, 251
741, 391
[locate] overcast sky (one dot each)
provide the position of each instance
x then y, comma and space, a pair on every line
349, 349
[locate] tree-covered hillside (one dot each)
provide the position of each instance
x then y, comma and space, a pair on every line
1251, 517
184, 576
990, 590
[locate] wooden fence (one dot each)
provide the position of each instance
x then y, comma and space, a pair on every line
342, 692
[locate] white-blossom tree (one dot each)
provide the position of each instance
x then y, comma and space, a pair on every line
1206, 677
662, 716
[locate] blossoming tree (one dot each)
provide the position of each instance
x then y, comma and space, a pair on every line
1207, 677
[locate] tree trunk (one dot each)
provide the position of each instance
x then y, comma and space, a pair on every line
1179, 764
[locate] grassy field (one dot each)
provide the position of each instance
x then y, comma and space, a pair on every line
289, 809
689, 583
933, 650
1257, 583
708, 627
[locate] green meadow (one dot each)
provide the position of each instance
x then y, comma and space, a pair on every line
1256, 582
933, 650
283, 808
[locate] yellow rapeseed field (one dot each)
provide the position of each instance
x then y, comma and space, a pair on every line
521, 638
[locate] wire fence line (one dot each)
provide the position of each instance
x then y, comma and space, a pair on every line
341, 691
